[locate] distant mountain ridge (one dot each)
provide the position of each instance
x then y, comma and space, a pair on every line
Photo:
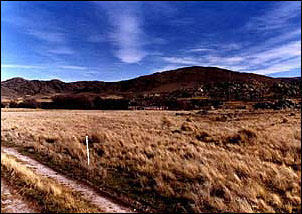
161, 82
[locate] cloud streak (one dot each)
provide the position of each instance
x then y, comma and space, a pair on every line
44, 66
61, 51
48, 32
30, 24
198, 50
276, 18
47, 36
127, 39
281, 58
126, 32
22, 66
72, 67
279, 50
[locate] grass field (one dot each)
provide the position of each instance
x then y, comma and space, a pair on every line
221, 161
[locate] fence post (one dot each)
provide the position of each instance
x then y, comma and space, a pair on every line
87, 148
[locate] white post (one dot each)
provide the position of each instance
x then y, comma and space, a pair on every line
87, 148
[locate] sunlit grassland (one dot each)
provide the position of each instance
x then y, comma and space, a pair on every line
223, 161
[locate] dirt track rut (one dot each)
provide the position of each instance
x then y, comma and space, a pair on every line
11, 202
96, 198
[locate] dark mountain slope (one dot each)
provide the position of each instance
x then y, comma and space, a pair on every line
188, 78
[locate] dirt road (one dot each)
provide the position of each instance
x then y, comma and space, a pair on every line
96, 198
11, 202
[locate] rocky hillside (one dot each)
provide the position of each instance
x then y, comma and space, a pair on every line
182, 82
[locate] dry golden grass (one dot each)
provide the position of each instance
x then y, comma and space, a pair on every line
246, 162
47, 194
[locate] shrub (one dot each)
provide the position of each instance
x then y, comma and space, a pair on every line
110, 104
166, 122
92, 139
247, 133
96, 143
243, 136
30, 103
85, 101
13, 104
47, 105
202, 136
50, 139
222, 118
74, 101
187, 127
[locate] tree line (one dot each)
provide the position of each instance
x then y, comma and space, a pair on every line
74, 101
86, 102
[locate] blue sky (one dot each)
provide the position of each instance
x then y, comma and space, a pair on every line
112, 41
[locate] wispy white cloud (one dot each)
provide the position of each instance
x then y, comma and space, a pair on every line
208, 60
131, 44
212, 47
47, 30
22, 66
166, 68
72, 67
276, 18
290, 35
278, 51
128, 38
52, 36
182, 60
277, 59
126, 30
199, 50
92, 73
44, 67
281, 53
47, 36
275, 41
286, 65
232, 60
61, 51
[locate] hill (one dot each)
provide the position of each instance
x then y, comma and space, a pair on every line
182, 82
